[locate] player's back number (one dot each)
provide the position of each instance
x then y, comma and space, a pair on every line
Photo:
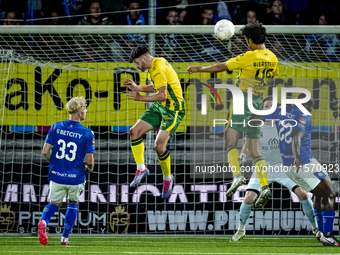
71, 154
264, 76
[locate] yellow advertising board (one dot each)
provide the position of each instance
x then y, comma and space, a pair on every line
37, 96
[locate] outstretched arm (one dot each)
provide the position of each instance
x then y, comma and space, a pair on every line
219, 67
296, 146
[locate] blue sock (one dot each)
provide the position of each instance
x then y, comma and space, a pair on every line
318, 217
328, 219
70, 218
48, 212
244, 215
307, 207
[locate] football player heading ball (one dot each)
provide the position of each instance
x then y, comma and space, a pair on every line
259, 66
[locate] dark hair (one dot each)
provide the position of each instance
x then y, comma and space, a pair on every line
257, 32
137, 52
267, 99
128, 2
251, 10
303, 95
173, 10
95, 1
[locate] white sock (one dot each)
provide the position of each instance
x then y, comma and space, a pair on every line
242, 227
141, 167
167, 178
314, 225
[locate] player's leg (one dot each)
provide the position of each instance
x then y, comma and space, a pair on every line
307, 206
74, 192
306, 202
318, 216
245, 210
165, 161
70, 217
137, 146
324, 190
56, 194
310, 178
259, 162
234, 160
261, 169
308, 181
252, 193
168, 127
321, 186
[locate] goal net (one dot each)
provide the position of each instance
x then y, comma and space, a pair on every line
42, 67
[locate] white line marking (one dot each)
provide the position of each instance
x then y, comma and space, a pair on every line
138, 252
162, 237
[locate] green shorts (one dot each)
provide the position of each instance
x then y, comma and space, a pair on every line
162, 118
251, 131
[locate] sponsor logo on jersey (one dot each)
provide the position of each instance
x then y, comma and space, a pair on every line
273, 141
303, 120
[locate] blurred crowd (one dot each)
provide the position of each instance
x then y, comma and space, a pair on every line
185, 12
177, 12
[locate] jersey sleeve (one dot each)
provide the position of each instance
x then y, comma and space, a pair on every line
240, 61
273, 115
158, 76
303, 122
89, 147
50, 136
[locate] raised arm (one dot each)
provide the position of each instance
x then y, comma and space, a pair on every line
46, 151
296, 146
219, 67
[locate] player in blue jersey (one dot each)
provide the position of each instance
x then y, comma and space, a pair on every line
69, 148
269, 149
294, 130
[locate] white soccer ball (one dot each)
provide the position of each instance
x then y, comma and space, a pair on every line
224, 29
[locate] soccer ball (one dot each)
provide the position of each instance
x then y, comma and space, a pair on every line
224, 29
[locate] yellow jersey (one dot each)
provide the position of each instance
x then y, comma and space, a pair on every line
162, 74
256, 68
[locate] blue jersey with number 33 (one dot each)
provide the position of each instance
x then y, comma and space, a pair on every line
294, 119
71, 141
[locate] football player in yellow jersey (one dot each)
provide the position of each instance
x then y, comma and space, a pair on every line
164, 115
257, 68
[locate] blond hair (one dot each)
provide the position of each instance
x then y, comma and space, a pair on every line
75, 104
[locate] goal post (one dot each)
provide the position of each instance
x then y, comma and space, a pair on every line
42, 67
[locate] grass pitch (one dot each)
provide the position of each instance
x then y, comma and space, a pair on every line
165, 245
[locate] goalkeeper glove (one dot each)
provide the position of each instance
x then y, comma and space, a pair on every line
243, 157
